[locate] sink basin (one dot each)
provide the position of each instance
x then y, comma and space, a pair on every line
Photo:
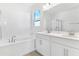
67, 35
64, 34
58, 33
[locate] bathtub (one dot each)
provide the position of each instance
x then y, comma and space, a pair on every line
22, 46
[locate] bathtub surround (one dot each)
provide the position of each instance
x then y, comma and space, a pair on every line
19, 48
15, 19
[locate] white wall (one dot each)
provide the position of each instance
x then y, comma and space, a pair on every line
16, 19
68, 13
68, 17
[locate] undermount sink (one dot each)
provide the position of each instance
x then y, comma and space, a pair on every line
65, 34
58, 33
68, 35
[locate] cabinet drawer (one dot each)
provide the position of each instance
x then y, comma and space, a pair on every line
41, 36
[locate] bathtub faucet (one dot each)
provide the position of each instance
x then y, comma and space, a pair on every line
13, 38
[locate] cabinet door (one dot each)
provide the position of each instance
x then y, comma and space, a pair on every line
43, 47
38, 45
73, 52
57, 50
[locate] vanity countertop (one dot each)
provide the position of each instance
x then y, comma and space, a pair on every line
62, 35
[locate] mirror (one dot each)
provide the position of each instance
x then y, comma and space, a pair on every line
65, 17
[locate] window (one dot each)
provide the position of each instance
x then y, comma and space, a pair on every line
37, 15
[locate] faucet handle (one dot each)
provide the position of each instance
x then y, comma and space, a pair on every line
9, 40
14, 40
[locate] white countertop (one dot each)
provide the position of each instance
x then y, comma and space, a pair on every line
62, 35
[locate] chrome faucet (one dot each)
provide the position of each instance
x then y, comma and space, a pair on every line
48, 30
59, 25
12, 39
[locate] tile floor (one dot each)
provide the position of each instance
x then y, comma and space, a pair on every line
34, 53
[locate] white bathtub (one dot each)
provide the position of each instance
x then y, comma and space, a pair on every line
21, 47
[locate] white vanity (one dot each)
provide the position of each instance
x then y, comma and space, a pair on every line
57, 44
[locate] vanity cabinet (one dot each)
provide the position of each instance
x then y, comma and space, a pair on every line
63, 50
56, 46
73, 52
57, 50
43, 46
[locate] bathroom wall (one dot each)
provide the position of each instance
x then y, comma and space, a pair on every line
15, 19
48, 21
68, 13
70, 19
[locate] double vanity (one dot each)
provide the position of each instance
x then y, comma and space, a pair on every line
57, 44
